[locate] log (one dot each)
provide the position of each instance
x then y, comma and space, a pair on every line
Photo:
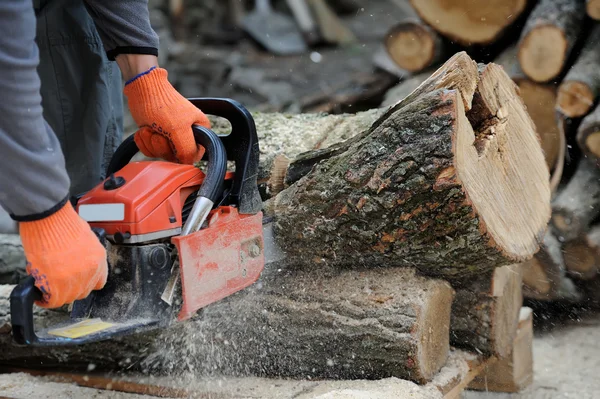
358, 205
335, 306
470, 22
414, 46
485, 313
515, 372
588, 135
581, 86
370, 324
593, 9
544, 276
549, 36
582, 256
578, 203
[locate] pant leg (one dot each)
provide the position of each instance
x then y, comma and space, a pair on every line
81, 90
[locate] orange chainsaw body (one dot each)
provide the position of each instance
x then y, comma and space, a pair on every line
214, 262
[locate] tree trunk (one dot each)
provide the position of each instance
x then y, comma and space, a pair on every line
403, 193
580, 88
470, 22
588, 135
549, 36
414, 46
544, 276
578, 203
436, 182
485, 313
593, 9
582, 256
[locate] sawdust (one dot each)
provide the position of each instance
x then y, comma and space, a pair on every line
24, 386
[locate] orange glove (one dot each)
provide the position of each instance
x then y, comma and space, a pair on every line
165, 118
64, 256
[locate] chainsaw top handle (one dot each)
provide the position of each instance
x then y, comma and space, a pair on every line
241, 147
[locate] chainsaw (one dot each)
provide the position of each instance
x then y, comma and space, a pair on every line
178, 238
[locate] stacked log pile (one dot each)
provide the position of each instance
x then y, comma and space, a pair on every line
402, 229
551, 50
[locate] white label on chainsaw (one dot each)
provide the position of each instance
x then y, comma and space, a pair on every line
102, 212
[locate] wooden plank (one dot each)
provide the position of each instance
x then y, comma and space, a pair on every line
515, 372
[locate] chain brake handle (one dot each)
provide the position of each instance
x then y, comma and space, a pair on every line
241, 147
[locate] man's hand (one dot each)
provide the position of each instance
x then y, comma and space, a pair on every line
64, 256
164, 116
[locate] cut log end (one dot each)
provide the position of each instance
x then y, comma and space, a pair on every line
434, 330
574, 99
469, 22
411, 45
592, 142
504, 144
593, 9
543, 52
506, 288
580, 260
540, 100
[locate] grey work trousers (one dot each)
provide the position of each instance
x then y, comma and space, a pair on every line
81, 93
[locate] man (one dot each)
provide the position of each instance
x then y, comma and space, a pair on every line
62, 252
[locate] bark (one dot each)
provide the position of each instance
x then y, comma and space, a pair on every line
578, 203
414, 46
12, 259
544, 276
593, 9
588, 135
468, 22
581, 86
549, 36
582, 256
401, 188
485, 312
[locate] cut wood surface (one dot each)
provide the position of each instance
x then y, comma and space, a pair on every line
485, 313
588, 134
470, 21
593, 9
582, 256
515, 372
549, 36
578, 203
581, 86
544, 276
413, 45
360, 205
540, 100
